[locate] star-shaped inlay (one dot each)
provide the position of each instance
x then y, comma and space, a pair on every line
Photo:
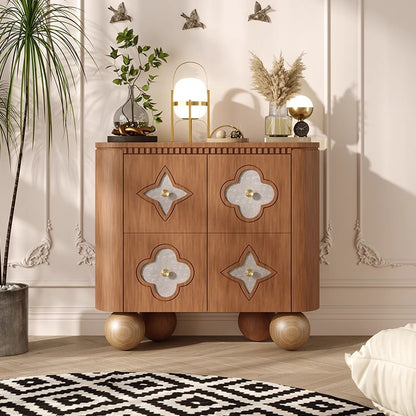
248, 272
249, 193
165, 272
164, 193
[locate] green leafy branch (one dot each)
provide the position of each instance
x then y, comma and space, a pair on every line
128, 69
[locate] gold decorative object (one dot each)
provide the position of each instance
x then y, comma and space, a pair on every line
165, 193
249, 272
165, 272
300, 108
221, 135
300, 113
122, 130
249, 193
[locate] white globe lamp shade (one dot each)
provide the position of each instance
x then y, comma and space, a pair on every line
190, 89
300, 107
300, 101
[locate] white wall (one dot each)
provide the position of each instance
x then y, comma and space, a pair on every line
359, 76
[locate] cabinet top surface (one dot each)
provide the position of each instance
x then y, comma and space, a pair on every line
123, 145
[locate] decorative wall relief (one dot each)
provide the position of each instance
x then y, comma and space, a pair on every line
192, 21
120, 14
260, 14
40, 254
85, 250
325, 245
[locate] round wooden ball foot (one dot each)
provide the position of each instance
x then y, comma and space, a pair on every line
159, 325
255, 325
123, 330
290, 330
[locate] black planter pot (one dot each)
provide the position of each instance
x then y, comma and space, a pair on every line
14, 320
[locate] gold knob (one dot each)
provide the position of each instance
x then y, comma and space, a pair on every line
165, 193
165, 272
249, 193
249, 272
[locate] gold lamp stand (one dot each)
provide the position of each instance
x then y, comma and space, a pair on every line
191, 101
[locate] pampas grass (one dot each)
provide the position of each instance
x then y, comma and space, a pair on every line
280, 84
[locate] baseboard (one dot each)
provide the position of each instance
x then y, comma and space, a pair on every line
329, 320
66, 321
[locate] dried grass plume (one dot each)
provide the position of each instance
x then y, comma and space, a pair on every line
279, 84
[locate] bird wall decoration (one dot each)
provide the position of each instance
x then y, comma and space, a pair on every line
192, 21
120, 14
260, 14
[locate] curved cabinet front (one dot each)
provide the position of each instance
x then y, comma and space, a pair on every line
207, 227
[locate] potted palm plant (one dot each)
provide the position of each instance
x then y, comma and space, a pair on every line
39, 53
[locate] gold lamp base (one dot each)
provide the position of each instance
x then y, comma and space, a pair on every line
188, 103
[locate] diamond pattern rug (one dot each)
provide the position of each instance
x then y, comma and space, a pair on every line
158, 394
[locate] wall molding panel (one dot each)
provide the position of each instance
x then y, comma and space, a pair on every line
366, 252
85, 249
327, 239
40, 253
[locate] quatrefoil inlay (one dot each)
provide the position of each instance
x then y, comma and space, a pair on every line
249, 193
164, 193
248, 272
165, 272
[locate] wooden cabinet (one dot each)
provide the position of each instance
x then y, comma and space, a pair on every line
208, 228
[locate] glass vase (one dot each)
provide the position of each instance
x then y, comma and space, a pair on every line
131, 114
278, 123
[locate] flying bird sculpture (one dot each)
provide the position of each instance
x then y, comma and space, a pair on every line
192, 21
120, 14
260, 14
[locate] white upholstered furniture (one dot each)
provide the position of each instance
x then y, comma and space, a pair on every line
384, 369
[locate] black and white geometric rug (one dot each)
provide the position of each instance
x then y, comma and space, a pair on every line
158, 394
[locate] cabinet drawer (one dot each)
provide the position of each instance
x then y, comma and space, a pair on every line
165, 273
249, 193
165, 193
249, 273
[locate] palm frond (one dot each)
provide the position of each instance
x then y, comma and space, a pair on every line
39, 53
7, 121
